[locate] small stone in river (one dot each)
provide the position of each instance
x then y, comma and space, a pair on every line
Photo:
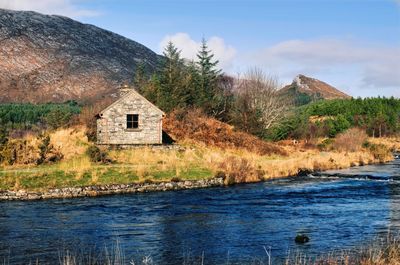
301, 239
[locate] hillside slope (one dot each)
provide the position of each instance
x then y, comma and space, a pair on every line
309, 89
54, 58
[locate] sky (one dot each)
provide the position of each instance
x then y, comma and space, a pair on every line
353, 45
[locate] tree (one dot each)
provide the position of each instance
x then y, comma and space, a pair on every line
173, 84
259, 105
206, 85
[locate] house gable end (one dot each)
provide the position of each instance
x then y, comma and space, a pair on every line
131, 96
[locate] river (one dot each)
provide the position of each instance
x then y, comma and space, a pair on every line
337, 209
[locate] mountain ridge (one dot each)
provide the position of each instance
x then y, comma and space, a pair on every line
306, 89
55, 58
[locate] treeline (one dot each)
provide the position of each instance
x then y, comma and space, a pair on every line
379, 117
250, 102
27, 116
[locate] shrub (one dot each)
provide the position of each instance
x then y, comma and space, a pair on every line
176, 179
97, 155
351, 140
47, 152
380, 152
239, 170
326, 144
88, 118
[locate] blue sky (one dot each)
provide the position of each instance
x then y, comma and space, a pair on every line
351, 44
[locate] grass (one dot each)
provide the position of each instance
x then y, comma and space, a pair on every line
79, 171
384, 251
195, 161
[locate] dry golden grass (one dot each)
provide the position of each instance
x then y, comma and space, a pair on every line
392, 143
78, 164
240, 165
71, 142
197, 160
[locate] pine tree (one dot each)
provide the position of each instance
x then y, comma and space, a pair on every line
173, 85
207, 78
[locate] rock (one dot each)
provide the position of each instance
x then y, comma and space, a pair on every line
109, 189
301, 239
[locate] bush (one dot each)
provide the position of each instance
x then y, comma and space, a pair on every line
176, 179
97, 155
47, 152
88, 118
326, 144
239, 170
351, 140
380, 152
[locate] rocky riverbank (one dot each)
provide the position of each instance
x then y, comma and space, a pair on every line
91, 191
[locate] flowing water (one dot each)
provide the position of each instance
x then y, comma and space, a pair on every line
336, 209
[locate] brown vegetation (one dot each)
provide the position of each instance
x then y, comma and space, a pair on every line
239, 170
194, 126
87, 117
258, 103
350, 140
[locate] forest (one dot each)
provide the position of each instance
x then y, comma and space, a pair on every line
379, 117
27, 116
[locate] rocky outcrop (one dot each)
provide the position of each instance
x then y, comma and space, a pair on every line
91, 191
53, 58
313, 89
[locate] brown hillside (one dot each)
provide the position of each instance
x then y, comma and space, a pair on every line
53, 58
196, 127
314, 88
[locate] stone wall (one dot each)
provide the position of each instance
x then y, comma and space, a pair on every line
112, 127
90, 191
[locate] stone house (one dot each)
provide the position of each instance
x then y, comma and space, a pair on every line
130, 120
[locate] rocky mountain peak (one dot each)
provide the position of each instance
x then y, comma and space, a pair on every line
314, 88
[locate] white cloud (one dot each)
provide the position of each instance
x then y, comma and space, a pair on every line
224, 53
369, 67
60, 7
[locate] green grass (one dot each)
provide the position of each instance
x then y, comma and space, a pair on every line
193, 173
47, 177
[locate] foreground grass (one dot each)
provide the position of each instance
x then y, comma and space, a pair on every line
194, 162
385, 251
80, 172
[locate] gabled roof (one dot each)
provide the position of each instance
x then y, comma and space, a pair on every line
126, 95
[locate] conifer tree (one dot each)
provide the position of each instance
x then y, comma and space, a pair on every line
207, 75
210, 94
173, 87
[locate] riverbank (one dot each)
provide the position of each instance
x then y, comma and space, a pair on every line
91, 191
147, 169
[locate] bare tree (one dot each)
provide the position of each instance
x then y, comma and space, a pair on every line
259, 104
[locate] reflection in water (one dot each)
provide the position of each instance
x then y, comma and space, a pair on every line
339, 209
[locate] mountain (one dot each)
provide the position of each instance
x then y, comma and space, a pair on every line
53, 58
306, 89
